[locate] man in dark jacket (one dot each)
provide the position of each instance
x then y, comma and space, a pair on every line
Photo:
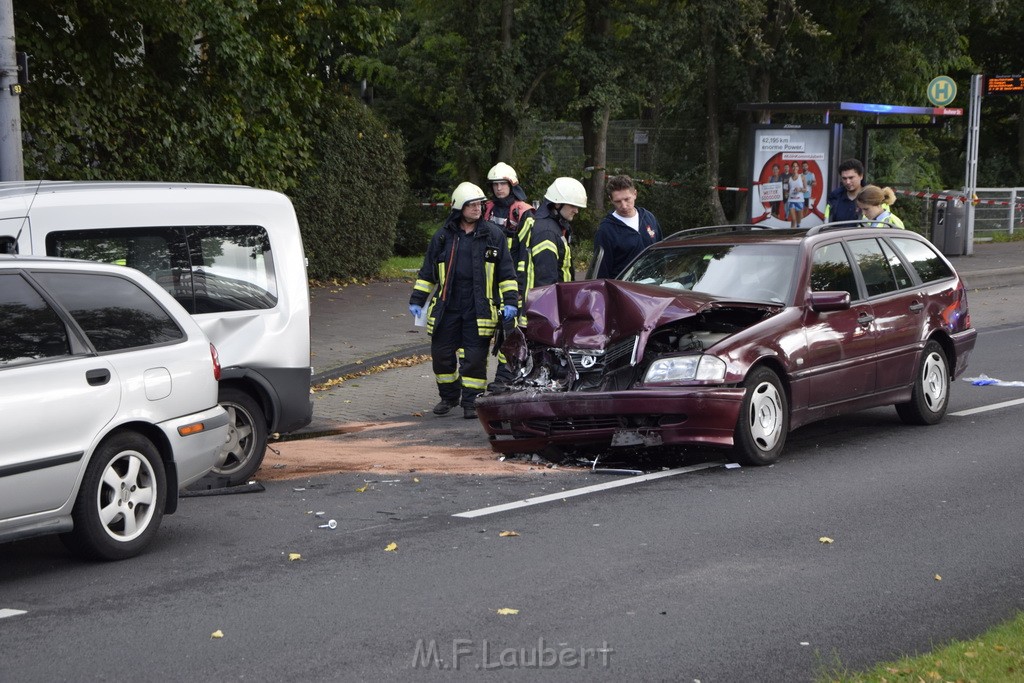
469, 269
842, 201
624, 232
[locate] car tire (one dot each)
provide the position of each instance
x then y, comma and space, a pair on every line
247, 437
764, 419
121, 500
930, 397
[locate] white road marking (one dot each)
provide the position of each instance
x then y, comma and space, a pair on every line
583, 491
4, 613
985, 409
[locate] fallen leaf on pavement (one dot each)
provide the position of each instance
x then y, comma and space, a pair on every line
826, 540
938, 577
417, 414
362, 488
217, 634
391, 547
507, 610
294, 556
504, 534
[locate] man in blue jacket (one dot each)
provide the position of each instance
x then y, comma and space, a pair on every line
842, 201
624, 232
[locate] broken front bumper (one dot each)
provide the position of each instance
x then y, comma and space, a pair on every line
527, 421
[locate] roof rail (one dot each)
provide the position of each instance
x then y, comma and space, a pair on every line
847, 225
716, 229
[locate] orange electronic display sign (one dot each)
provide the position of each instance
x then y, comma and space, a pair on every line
998, 85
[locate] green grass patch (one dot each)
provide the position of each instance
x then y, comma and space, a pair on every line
996, 656
400, 268
1017, 236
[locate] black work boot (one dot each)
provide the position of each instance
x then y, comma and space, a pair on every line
469, 412
444, 407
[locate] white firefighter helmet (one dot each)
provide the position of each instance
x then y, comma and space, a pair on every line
502, 171
567, 191
466, 192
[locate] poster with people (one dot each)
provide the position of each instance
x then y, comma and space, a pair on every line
791, 175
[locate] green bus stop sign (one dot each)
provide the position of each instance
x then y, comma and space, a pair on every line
941, 91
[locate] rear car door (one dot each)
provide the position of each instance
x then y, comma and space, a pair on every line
55, 396
898, 306
840, 362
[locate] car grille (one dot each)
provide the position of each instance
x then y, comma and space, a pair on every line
603, 360
574, 424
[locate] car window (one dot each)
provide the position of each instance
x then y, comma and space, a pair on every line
903, 279
29, 328
208, 269
831, 271
754, 272
114, 312
928, 264
874, 266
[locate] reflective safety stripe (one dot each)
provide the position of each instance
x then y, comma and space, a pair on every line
447, 379
489, 280
545, 245
423, 286
501, 358
506, 286
567, 265
474, 383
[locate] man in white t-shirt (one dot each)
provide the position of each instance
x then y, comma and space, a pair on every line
624, 232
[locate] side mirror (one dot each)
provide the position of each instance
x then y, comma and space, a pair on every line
8, 245
822, 302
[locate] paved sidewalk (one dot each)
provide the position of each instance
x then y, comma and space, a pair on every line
362, 325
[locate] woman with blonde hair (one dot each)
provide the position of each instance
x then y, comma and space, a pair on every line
874, 202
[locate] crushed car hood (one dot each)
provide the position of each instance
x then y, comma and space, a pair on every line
593, 314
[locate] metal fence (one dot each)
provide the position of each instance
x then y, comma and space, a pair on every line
1000, 210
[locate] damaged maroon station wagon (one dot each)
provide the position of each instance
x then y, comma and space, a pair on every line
733, 336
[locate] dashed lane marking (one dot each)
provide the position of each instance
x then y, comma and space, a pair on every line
571, 493
985, 409
5, 612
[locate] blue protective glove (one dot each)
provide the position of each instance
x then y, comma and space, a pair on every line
416, 311
510, 311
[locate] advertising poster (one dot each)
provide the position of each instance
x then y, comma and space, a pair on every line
790, 160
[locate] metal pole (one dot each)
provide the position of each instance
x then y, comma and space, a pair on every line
971, 174
11, 163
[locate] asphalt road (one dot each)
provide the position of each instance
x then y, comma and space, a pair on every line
713, 575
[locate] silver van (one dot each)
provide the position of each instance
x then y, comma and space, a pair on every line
230, 255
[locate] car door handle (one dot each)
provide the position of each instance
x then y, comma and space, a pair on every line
916, 307
98, 377
865, 319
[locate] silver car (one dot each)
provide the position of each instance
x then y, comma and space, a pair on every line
108, 404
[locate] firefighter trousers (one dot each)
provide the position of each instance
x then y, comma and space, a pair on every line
459, 356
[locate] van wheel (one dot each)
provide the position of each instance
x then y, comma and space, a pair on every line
247, 437
121, 500
930, 397
764, 419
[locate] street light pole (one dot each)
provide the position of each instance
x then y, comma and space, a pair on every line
12, 166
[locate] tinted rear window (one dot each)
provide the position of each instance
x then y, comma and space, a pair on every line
208, 269
925, 260
114, 312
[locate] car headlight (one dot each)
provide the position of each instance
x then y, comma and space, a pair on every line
680, 368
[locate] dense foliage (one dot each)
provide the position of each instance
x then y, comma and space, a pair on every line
349, 197
243, 91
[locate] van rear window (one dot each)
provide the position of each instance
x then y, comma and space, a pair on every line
208, 269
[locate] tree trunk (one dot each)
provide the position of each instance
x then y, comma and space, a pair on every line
507, 144
711, 136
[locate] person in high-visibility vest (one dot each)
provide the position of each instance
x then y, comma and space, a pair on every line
470, 282
874, 202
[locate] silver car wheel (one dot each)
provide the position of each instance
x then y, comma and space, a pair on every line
934, 381
126, 496
766, 416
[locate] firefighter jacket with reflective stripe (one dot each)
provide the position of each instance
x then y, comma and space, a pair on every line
493, 277
617, 244
887, 219
548, 256
515, 217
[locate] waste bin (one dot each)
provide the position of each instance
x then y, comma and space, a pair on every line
948, 221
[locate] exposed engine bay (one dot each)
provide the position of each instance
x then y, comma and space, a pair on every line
540, 367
